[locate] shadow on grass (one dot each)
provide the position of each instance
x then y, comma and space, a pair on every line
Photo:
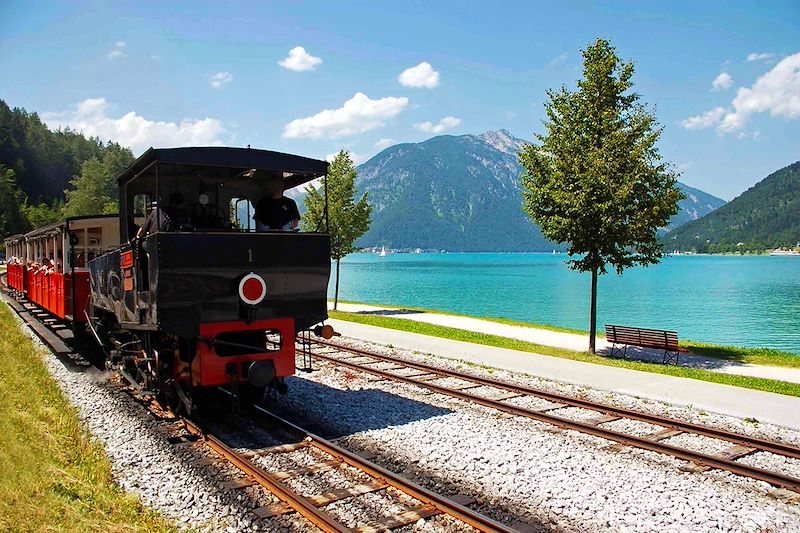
389, 312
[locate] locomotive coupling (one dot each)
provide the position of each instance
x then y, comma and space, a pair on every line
325, 331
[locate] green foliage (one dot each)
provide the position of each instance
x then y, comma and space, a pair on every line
44, 163
43, 214
596, 180
95, 190
347, 219
12, 219
762, 218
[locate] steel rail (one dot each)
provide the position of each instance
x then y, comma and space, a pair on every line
671, 423
443, 504
302, 505
773, 478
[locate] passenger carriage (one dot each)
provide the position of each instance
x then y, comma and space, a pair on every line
49, 265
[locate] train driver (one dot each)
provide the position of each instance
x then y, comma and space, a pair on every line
276, 212
170, 217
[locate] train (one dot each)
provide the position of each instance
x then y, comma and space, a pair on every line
211, 301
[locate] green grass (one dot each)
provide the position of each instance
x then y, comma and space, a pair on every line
755, 356
768, 385
53, 477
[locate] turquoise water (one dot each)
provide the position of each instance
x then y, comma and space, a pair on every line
742, 301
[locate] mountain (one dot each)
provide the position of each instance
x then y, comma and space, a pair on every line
462, 193
696, 204
763, 217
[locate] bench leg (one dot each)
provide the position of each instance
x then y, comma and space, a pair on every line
670, 357
620, 351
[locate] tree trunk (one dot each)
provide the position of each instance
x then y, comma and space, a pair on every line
336, 293
593, 318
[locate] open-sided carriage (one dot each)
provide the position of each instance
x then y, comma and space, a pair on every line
49, 266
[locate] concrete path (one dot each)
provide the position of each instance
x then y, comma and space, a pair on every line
572, 341
724, 399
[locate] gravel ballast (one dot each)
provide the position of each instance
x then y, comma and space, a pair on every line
517, 469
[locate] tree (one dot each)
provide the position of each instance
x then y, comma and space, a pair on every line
94, 191
347, 219
595, 180
12, 219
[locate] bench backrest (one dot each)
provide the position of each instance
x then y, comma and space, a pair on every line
647, 338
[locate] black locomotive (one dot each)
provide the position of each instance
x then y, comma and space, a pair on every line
209, 301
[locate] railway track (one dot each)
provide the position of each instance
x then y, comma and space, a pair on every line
496, 394
415, 501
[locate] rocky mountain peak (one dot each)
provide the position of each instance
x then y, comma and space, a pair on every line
502, 140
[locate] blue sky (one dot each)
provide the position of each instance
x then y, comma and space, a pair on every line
722, 77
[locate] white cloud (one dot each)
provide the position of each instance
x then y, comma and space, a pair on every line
421, 76
558, 60
706, 120
777, 91
118, 52
759, 57
384, 143
299, 60
91, 118
722, 82
357, 115
357, 159
445, 124
220, 78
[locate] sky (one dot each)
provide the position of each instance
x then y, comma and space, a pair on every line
312, 78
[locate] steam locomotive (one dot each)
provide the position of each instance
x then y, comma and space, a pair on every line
209, 303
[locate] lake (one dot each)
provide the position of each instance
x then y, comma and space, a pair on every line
734, 300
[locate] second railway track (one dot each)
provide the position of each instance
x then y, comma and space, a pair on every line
426, 376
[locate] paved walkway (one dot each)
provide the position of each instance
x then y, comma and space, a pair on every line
572, 341
725, 399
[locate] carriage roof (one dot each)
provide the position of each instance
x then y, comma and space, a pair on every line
228, 162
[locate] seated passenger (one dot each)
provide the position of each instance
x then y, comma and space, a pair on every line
170, 217
276, 212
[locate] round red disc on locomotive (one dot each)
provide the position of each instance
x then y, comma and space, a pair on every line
252, 289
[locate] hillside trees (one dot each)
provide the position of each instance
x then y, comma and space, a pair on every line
39, 164
12, 218
595, 180
347, 219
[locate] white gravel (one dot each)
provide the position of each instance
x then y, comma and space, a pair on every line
164, 476
517, 469
550, 479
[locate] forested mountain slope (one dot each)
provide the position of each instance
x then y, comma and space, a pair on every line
463, 193
763, 217
37, 165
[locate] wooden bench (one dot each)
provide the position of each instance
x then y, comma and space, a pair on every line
646, 338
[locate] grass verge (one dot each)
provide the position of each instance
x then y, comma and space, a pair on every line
53, 477
754, 356
768, 385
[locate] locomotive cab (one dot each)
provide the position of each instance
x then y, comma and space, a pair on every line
204, 297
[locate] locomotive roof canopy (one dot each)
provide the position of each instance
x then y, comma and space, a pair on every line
297, 169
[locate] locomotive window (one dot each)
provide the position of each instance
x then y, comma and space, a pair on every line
140, 204
242, 212
231, 343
